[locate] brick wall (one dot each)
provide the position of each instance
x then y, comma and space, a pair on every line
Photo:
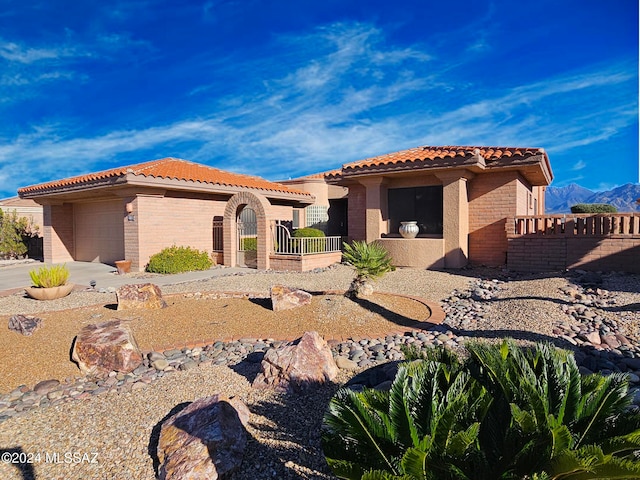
304, 263
58, 243
492, 198
165, 221
537, 253
357, 212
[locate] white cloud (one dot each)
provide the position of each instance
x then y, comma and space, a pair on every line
333, 107
14, 52
579, 165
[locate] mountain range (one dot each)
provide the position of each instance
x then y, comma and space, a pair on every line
561, 199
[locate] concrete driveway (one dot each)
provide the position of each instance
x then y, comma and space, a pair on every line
16, 275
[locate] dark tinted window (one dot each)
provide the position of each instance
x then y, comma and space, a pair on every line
422, 204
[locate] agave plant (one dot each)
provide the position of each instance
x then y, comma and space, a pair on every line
371, 260
504, 413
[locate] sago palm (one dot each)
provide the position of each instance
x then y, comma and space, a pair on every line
411, 431
371, 260
560, 423
505, 413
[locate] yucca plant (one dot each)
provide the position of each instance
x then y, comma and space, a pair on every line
371, 260
504, 413
47, 277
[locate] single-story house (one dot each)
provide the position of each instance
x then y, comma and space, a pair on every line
32, 211
459, 196
24, 208
133, 212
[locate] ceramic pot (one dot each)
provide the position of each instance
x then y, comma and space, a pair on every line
409, 229
50, 293
123, 266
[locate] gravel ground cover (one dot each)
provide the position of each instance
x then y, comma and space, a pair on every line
121, 427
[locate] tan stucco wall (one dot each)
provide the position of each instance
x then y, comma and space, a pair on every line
415, 252
319, 189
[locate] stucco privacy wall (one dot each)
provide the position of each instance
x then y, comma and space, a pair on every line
58, 242
492, 198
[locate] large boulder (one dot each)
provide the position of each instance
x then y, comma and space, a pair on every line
305, 363
284, 298
106, 347
140, 296
205, 440
24, 324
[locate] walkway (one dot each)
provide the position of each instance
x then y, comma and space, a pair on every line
14, 276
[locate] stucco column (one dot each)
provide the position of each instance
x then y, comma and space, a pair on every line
455, 219
375, 206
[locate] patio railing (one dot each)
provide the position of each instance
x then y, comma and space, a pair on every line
285, 244
584, 224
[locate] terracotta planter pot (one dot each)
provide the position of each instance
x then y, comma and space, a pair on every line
123, 266
51, 293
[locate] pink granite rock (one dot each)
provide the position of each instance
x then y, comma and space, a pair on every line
611, 341
305, 363
593, 338
24, 324
106, 347
205, 440
284, 298
140, 296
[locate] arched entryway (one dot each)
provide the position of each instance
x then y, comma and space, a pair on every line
261, 206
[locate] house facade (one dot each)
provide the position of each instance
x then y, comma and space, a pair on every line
459, 196
135, 211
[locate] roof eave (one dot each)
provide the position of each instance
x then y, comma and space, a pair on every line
73, 188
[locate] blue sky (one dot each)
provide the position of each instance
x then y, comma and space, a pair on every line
282, 88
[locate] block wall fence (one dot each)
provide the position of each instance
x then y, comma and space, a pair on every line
589, 242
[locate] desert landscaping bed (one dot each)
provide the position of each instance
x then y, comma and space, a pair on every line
284, 429
203, 319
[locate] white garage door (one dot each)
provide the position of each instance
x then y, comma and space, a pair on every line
99, 231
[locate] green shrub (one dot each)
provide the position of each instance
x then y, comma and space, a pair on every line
593, 208
308, 232
13, 230
250, 244
301, 240
505, 412
47, 277
179, 259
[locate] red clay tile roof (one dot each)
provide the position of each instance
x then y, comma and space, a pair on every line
316, 176
420, 154
169, 168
